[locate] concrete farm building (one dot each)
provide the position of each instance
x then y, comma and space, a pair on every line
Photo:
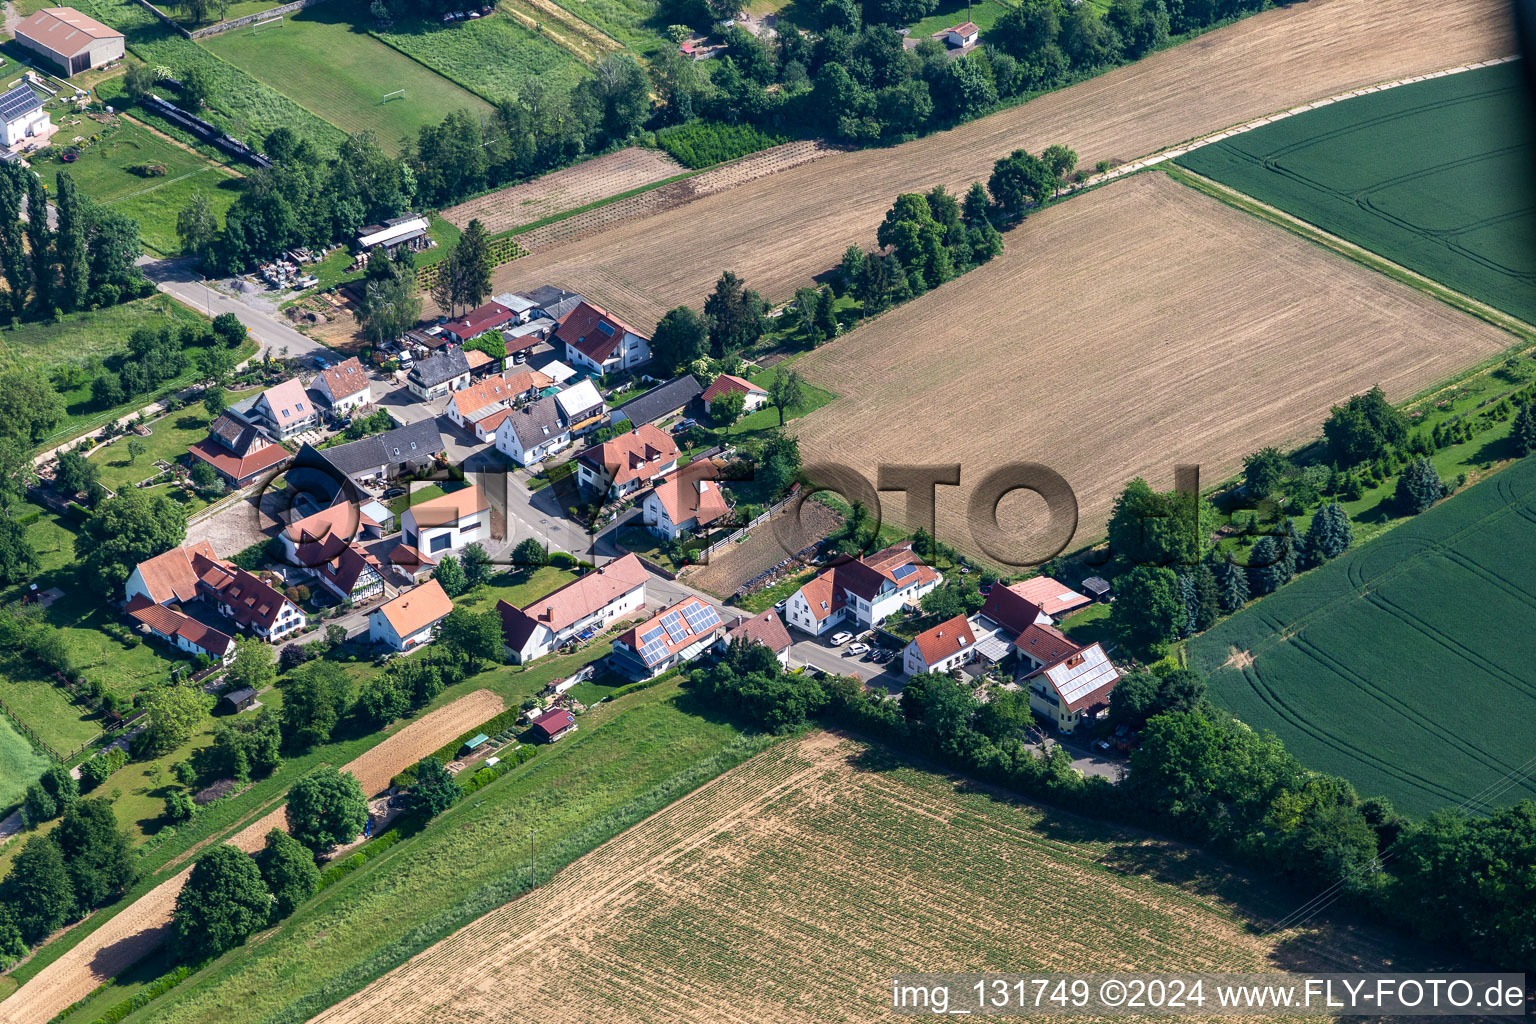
70, 40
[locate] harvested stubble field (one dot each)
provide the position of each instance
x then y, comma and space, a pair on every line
1439, 707
788, 227
138, 929
1135, 327
1434, 176
566, 189
794, 887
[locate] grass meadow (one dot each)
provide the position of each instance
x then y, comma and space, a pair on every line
1434, 176
1402, 665
20, 764
324, 62
491, 57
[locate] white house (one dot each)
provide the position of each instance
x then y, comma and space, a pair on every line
962, 35
22, 115
946, 646
863, 593
447, 523
625, 464
254, 604
353, 575
282, 410
594, 340
532, 433
670, 638
593, 602
727, 384
473, 405
345, 386
445, 370
685, 501
1072, 684
168, 578
411, 619
181, 631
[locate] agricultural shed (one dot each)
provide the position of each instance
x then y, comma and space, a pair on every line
69, 39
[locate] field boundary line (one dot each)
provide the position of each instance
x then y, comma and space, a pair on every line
1359, 254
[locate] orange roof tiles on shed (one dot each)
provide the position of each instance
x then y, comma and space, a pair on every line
726, 384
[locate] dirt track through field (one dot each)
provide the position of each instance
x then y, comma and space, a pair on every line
1133, 328
136, 930
779, 231
793, 887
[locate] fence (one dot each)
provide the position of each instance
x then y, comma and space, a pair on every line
741, 533
27, 731
225, 26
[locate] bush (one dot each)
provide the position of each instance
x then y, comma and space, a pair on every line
704, 143
96, 770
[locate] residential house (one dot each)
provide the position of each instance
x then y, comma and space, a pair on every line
69, 40
435, 376
551, 303
657, 404
685, 501
946, 646
862, 593
765, 628
625, 464
472, 406
238, 451
445, 524
1054, 599
592, 602
411, 619
1071, 684
490, 317
345, 386
726, 384
531, 433
22, 116
282, 410
673, 637
315, 539
551, 725
582, 409
353, 575
404, 449
253, 603
596, 341
168, 578
181, 631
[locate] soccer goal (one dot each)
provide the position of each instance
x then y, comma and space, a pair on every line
398, 94
274, 22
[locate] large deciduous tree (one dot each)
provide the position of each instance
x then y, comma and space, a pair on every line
222, 904
125, 531
326, 808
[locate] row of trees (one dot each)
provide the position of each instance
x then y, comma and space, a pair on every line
86, 261
1204, 776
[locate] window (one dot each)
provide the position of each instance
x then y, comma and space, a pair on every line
440, 542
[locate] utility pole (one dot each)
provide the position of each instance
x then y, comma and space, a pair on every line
533, 874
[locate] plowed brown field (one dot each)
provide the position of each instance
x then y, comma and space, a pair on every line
779, 231
136, 930
1132, 328
794, 887
566, 189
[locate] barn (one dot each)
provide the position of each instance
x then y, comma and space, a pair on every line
73, 42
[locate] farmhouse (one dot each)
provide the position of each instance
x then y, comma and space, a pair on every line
662, 401
181, 631
22, 116
864, 592
168, 578
408, 231
765, 628
282, 410
69, 40
552, 725
584, 605
409, 620
447, 523
673, 637
946, 646
726, 384
626, 463
254, 604
238, 451
685, 501
599, 342
353, 575
435, 376
384, 456
490, 317
530, 434
345, 386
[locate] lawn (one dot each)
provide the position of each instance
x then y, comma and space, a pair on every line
20, 764
323, 62
628, 759
1401, 664
108, 172
516, 588
1434, 176
631, 22
949, 14
491, 57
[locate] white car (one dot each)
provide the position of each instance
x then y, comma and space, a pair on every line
858, 648
838, 639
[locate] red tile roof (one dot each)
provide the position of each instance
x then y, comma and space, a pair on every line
169, 575
343, 521
1010, 610
766, 629
253, 601
572, 602
944, 640
491, 393
234, 467
867, 577
693, 492
591, 331
349, 565
670, 645
726, 384
635, 455
416, 609
551, 723
1045, 644
345, 378
173, 624
481, 319
823, 595
1082, 679
1055, 599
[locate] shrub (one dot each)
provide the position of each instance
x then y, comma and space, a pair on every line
704, 143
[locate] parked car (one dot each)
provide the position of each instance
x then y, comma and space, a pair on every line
858, 648
1101, 745
838, 639
683, 425
394, 492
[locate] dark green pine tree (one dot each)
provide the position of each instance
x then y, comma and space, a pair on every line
1330, 533
1419, 487
1207, 598
1267, 568
1191, 599
1523, 433
1231, 585
1293, 550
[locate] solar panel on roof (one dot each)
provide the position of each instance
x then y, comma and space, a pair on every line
901, 572
652, 635
701, 617
653, 653
673, 622
17, 102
